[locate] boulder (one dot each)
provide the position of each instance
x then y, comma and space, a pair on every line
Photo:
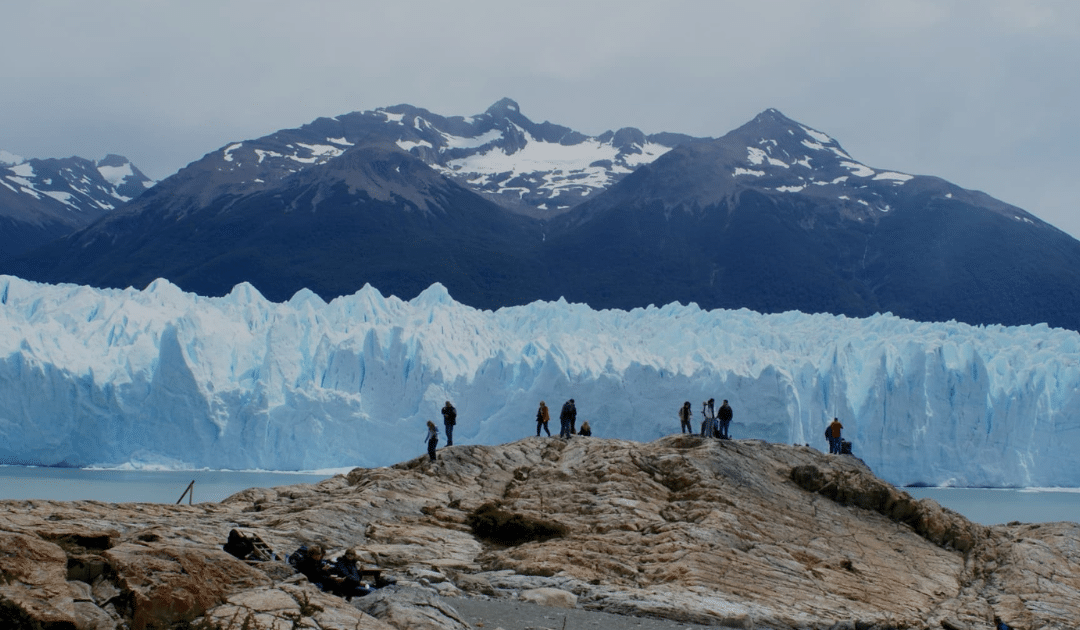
552, 597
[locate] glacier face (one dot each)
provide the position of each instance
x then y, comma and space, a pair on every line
163, 378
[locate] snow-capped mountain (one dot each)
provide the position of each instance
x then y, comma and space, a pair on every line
42, 199
773, 216
520, 164
779, 157
539, 169
777, 216
163, 378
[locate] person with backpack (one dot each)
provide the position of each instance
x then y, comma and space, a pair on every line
684, 419
832, 433
567, 418
449, 416
542, 418
724, 416
432, 439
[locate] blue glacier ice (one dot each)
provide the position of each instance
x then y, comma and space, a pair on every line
168, 379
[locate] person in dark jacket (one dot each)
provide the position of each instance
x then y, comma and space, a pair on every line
432, 439
586, 430
833, 434
351, 584
724, 415
239, 545
567, 418
684, 418
542, 419
308, 560
449, 416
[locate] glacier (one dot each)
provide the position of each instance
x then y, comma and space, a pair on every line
163, 378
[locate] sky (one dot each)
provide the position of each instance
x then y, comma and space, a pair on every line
983, 93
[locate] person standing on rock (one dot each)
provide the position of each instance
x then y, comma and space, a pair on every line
542, 418
432, 439
567, 418
684, 418
708, 425
833, 434
724, 415
449, 418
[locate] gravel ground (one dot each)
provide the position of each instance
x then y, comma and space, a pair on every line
491, 614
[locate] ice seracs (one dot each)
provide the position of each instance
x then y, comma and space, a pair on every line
160, 377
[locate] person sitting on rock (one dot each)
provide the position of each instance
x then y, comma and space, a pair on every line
346, 568
308, 559
586, 430
239, 545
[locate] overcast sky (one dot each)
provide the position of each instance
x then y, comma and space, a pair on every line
983, 93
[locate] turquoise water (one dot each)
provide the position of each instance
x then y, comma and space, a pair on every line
985, 506
138, 486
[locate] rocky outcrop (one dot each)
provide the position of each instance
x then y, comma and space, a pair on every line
726, 533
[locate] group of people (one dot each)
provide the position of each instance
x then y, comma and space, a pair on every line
449, 414
715, 422
567, 425
567, 421
342, 577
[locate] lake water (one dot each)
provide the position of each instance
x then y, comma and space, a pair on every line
138, 486
985, 506
996, 506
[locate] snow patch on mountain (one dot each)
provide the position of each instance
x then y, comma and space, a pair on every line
898, 178
391, 116
116, 175
9, 159
551, 169
459, 142
858, 170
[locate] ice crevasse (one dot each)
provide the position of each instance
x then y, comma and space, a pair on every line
163, 378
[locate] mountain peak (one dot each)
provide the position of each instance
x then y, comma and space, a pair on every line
504, 107
773, 115
113, 160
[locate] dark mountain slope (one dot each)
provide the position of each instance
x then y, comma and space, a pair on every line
374, 215
776, 216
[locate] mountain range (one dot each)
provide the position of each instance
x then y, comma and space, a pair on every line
772, 216
43, 199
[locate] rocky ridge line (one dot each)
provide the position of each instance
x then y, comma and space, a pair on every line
724, 533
